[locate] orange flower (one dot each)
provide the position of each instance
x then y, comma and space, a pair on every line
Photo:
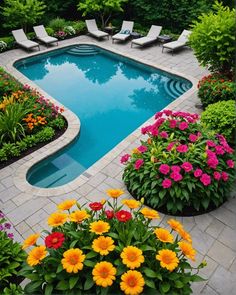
132, 204
132, 257
99, 227
149, 213
135, 151
132, 282
114, 193
30, 241
103, 245
174, 224
79, 215
168, 259
36, 255
188, 250
185, 235
104, 274
73, 260
57, 219
164, 235
66, 205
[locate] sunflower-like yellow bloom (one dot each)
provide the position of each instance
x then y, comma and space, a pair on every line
168, 259
73, 260
30, 241
103, 245
99, 227
78, 216
66, 205
174, 224
135, 151
149, 213
114, 193
164, 235
36, 255
132, 204
132, 257
104, 274
57, 219
132, 282
187, 249
185, 235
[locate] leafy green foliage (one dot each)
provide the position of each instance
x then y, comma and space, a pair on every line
58, 123
213, 39
9, 41
13, 289
57, 24
221, 117
22, 13
8, 84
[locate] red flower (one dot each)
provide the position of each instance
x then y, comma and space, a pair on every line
123, 215
55, 240
96, 206
109, 214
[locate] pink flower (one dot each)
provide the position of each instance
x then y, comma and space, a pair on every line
217, 175
125, 158
164, 169
210, 143
166, 183
138, 164
187, 166
176, 176
219, 150
170, 146
230, 163
175, 168
193, 137
205, 179
197, 173
164, 134
183, 126
154, 131
224, 176
158, 115
167, 112
182, 148
142, 148
212, 162
173, 123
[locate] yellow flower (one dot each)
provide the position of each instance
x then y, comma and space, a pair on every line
79, 215
168, 259
135, 151
66, 205
188, 250
73, 260
36, 255
30, 241
132, 257
164, 235
132, 204
103, 245
57, 218
185, 235
114, 193
99, 227
149, 213
132, 282
104, 274
174, 224
103, 201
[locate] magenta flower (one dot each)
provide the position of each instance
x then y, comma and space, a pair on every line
158, 115
166, 183
142, 148
217, 175
176, 168
176, 176
170, 146
167, 112
212, 162
172, 123
187, 166
193, 137
197, 173
219, 150
225, 176
183, 126
138, 164
210, 143
164, 134
182, 148
154, 131
230, 163
164, 169
125, 158
10, 235
205, 179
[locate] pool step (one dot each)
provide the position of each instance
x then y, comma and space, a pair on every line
176, 88
83, 50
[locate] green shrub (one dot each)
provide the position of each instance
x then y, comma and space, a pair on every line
57, 24
50, 31
8, 84
58, 123
79, 26
13, 289
214, 88
3, 155
30, 140
45, 134
221, 117
21, 145
10, 41
213, 39
11, 150
31, 35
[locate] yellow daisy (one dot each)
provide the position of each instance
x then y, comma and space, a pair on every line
36, 255
164, 235
73, 260
174, 224
114, 193
78, 216
185, 235
168, 259
187, 249
99, 227
132, 204
57, 219
132, 282
30, 241
104, 274
132, 257
66, 205
149, 213
103, 245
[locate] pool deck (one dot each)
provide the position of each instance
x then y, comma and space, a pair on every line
27, 207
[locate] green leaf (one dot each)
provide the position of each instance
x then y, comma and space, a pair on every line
205, 203
73, 281
62, 285
149, 273
113, 235
196, 278
32, 287
59, 268
88, 283
179, 284
89, 263
164, 287
48, 289
91, 254
150, 284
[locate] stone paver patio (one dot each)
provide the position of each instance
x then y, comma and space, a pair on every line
214, 234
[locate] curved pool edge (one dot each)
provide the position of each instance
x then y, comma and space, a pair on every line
19, 177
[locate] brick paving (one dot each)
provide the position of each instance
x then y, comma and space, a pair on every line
27, 207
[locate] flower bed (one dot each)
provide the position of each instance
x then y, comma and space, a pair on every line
110, 250
181, 167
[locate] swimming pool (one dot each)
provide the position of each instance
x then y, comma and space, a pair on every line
111, 95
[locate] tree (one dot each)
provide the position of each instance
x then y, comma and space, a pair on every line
213, 39
22, 13
102, 8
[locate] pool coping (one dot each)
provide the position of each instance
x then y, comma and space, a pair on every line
19, 177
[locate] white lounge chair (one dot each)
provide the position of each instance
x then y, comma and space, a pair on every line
23, 41
151, 37
126, 30
181, 42
42, 35
93, 29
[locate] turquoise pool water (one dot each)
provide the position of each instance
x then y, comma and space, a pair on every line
111, 95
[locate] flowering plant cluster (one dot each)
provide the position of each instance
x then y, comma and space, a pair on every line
214, 88
3, 46
180, 165
110, 249
60, 35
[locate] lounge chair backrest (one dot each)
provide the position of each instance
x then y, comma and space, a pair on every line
184, 36
154, 31
40, 31
19, 35
127, 25
91, 25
